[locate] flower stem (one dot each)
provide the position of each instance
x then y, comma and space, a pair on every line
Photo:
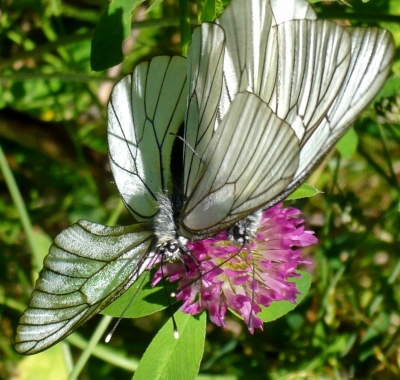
87, 352
184, 22
21, 208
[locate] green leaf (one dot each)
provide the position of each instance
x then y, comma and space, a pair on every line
347, 145
142, 298
278, 309
304, 191
390, 88
168, 358
208, 13
114, 27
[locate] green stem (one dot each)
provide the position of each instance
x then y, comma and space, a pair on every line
376, 166
105, 353
112, 220
387, 153
87, 352
199, 10
83, 165
184, 23
21, 208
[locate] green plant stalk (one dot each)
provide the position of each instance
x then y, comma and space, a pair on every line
376, 166
113, 218
21, 208
87, 352
67, 355
199, 10
109, 355
387, 153
82, 160
184, 24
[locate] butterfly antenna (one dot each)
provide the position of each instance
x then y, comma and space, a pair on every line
187, 144
110, 334
176, 333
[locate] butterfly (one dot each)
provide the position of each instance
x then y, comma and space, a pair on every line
264, 94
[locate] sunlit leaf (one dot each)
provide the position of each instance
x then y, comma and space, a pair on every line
114, 27
279, 308
304, 191
179, 358
142, 299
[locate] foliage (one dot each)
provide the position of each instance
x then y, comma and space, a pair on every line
53, 134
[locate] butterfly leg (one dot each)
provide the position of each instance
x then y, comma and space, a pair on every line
244, 230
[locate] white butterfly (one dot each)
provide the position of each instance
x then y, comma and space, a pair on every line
268, 91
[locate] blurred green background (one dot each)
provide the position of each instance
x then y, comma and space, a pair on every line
53, 135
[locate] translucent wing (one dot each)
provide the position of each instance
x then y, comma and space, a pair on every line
250, 160
205, 60
313, 58
372, 52
296, 66
146, 109
87, 267
250, 60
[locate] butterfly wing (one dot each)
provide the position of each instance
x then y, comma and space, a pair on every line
372, 52
145, 111
205, 61
250, 59
251, 157
88, 266
297, 67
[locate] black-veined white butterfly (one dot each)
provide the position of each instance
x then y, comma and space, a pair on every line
265, 93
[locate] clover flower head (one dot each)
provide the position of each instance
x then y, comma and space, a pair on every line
218, 275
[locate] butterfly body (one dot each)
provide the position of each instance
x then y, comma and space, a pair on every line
169, 243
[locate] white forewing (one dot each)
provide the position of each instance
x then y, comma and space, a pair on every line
372, 52
145, 112
88, 266
313, 59
251, 50
250, 160
205, 60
